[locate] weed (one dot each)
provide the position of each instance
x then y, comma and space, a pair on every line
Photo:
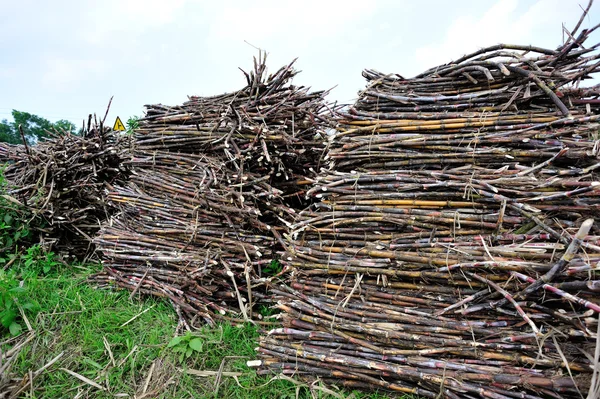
127, 347
132, 124
12, 230
14, 224
14, 303
89, 327
267, 311
118, 342
185, 345
273, 268
35, 261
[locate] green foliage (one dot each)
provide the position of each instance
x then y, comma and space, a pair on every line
120, 343
65, 126
14, 224
12, 297
16, 251
267, 311
75, 318
13, 229
273, 268
132, 123
8, 134
36, 261
34, 127
185, 345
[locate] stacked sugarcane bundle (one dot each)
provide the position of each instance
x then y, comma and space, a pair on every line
453, 251
63, 182
270, 128
185, 234
214, 186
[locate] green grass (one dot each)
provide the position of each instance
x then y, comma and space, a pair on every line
81, 322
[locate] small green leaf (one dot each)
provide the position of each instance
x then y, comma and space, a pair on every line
188, 352
93, 363
7, 317
8, 219
174, 341
196, 344
17, 290
181, 357
9, 305
15, 328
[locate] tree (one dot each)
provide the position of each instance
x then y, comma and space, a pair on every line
34, 127
65, 126
7, 133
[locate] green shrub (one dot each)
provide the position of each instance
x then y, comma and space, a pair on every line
132, 124
19, 261
273, 268
14, 224
14, 303
185, 345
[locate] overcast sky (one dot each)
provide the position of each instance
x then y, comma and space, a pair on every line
64, 59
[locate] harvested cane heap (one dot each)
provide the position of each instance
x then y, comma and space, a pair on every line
213, 188
453, 250
63, 181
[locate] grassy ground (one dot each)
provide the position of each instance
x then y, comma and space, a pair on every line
111, 346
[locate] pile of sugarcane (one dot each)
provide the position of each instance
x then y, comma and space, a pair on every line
184, 234
452, 251
270, 129
63, 182
215, 184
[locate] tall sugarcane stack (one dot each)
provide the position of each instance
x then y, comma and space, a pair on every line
216, 183
452, 251
271, 129
63, 182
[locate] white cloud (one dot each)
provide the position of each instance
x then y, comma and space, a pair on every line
502, 23
272, 19
64, 75
112, 20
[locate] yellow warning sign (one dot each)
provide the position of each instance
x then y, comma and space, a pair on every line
119, 125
